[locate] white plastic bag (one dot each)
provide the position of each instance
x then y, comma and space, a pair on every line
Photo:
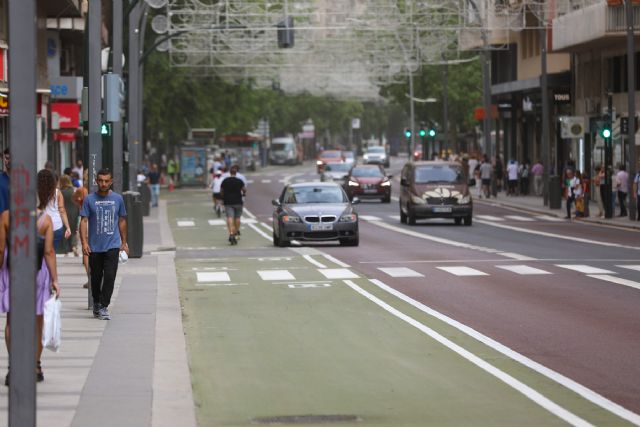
51, 335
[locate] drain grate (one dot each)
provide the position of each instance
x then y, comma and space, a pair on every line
307, 419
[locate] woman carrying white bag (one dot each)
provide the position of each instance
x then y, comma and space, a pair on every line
47, 276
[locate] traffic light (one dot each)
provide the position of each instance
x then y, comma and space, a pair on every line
432, 133
605, 132
422, 133
605, 127
407, 133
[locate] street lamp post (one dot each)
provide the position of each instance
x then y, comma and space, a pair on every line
631, 76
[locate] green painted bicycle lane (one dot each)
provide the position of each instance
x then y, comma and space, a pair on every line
270, 335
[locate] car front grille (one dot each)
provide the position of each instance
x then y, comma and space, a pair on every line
443, 201
317, 219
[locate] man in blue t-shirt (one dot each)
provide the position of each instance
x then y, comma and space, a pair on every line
103, 232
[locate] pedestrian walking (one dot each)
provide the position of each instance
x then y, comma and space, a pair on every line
472, 164
573, 188
599, 189
47, 275
524, 172
636, 193
103, 231
232, 189
78, 199
622, 187
512, 174
215, 187
67, 190
499, 173
537, 170
57, 212
154, 182
485, 176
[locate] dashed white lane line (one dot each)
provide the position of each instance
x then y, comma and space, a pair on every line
462, 271
517, 256
524, 270
519, 386
587, 269
213, 285
550, 218
400, 272
260, 232
313, 261
266, 181
338, 273
217, 222
250, 181
276, 275
617, 280
370, 218
336, 261
490, 217
519, 218
184, 223
630, 267
396, 217
213, 276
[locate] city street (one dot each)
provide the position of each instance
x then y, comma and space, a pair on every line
519, 319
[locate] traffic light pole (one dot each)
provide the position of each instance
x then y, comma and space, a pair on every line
608, 208
631, 75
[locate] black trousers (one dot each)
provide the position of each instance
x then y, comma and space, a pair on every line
103, 267
570, 201
622, 197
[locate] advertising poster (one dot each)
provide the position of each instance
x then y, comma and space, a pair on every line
193, 164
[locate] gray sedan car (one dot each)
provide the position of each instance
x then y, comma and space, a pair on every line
314, 211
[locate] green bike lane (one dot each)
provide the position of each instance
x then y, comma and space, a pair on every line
288, 332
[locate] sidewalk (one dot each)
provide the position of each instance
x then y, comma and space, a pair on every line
534, 204
131, 370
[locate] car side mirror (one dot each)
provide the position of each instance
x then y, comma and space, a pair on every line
403, 182
275, 202
355, 201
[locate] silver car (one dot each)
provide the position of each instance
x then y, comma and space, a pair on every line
335, 172
376, 155
315, 212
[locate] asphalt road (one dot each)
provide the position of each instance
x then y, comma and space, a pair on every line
518, 319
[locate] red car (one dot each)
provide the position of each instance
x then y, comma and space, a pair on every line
328, 156
369, 182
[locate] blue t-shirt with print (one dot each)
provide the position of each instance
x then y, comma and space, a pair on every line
103, 213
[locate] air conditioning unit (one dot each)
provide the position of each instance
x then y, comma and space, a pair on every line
572, 127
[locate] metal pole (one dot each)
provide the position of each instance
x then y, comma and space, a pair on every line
544, 87
608, 163
631, 74
116, 129
132, 91
412, 113
486, 97
22, 239
143, 27
445, 105
95, 91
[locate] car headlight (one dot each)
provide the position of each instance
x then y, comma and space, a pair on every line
290, 219
418, 200
464, 200
318, 162
386, 183
349, 218
353, 184
366, 157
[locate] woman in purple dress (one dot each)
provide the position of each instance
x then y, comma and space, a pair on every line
47, 275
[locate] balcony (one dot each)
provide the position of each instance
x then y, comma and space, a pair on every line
593, 26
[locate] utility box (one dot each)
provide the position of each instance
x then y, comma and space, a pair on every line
135, 226
286, 38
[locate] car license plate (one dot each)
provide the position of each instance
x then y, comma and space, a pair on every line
321, 227
443, 209
371, 190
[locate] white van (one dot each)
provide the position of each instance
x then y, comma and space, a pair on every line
285, 151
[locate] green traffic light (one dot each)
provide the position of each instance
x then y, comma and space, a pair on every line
432, 133
606, 133
407, 133
423, 132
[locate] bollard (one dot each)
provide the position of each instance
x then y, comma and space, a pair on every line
135, 227
555, 192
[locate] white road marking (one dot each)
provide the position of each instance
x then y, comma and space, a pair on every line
519, 218
570, 384
617, 280
558, 236
338, 273
463, 271
260, 232
308, 285
266, 181
370, 218
282, 181
336, 261
524, 270
630, 267
267, 226
400, 272
249, 181
186, 224
276, 275
249, 220
489, 217
396, 217
212, 285
587, 269
519, 386
216, 276
217, 222
550, 218
313, 261
516, 256
248, 213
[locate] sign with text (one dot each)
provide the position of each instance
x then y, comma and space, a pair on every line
65, 115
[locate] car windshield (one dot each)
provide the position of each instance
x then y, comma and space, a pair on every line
438, 173
314, 194
281, 146
376, 150
337, 167
330, 154
367, 172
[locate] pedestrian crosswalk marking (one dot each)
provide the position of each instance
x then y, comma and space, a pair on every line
400, 272
248, 221
213, 285
490, 217
524, 270
217, 222
519, 218
249, 181
266, 181
549, 218
275, 275
186, 223
617, 280
338, 273
463, 271
213, 276
630, 267
519, 257
308, 285
370, 218
587, 269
